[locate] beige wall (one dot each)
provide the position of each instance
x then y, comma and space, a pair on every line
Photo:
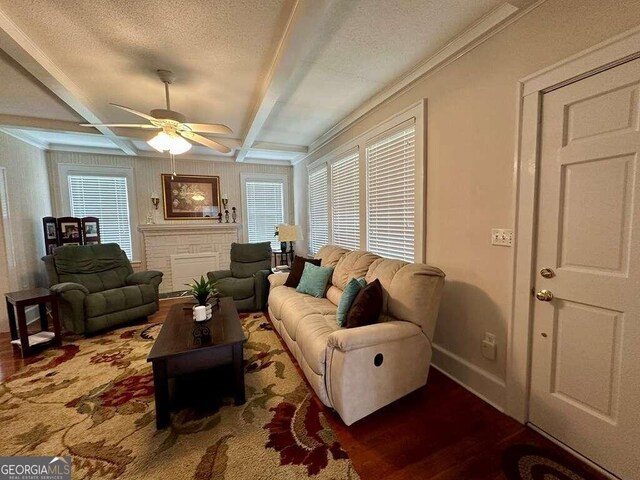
147, 171
28, 202
471, 133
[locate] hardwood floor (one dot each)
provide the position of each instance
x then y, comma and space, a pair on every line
441, 431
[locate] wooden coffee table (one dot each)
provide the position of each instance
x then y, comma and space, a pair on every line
177, 352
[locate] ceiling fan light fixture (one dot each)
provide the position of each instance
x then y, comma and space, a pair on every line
174, 144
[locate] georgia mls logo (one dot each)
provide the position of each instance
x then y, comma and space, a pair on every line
35, 468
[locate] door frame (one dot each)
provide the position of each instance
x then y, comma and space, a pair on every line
603, 56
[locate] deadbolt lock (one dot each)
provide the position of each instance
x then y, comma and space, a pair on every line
547, 273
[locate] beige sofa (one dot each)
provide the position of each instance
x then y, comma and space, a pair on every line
356, 371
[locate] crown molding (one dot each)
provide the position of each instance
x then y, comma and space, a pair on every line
23, 137
481, 31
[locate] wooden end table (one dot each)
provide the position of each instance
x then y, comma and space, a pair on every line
177, 352
18, 301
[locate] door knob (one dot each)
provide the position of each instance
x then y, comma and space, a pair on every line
544, 295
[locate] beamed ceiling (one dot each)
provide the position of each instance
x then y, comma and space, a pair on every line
280, 73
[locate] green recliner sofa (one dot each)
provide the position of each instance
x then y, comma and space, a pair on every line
98, 289
246, 281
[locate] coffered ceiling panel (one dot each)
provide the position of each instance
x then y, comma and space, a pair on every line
22, 95
367, 45
220, 51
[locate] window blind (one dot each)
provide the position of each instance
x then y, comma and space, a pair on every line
107, 198
318, 210
265, 211
345, 202
391, 195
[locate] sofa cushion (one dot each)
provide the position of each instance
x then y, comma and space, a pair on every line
366, 307
297, 268
311, 337
118, 299
298, 307
314, 280
348, 296
238, 288
330, 254
352, 265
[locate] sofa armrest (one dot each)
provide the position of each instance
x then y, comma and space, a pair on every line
348, 339
150, 277
60, 288
278, 279
219, 275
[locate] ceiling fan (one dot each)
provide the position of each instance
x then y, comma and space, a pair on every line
172, 125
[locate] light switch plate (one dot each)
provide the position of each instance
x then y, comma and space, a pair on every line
502, 237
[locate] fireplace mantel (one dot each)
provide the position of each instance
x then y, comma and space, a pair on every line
162, 241
171, 228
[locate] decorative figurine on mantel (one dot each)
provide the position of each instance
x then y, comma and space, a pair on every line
219, 217
226, 216
234, 214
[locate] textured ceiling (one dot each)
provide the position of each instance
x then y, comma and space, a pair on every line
222, 53
368, 44
22, 95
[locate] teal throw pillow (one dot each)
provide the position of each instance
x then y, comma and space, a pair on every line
348, 296
314, 280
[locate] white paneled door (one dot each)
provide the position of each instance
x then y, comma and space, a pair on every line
585, 384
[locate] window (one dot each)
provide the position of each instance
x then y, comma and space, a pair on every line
318, 210
345, 202
391, 195
265, 209
105, 197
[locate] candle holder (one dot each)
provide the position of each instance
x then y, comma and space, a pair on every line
219, 217
225, 202
155, 201
226, 216
234, 214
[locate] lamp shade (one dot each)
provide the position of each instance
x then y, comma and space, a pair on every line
289, 233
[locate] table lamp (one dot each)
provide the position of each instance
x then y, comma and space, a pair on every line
288, 233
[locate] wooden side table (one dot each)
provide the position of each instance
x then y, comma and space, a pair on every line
18, 301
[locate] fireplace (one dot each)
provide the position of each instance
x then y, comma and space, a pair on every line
169, 246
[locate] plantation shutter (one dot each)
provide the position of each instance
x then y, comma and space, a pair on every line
345, 202
318, 210
391, 195
107, 198
265, 211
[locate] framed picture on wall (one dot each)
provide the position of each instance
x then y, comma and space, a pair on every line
188, 197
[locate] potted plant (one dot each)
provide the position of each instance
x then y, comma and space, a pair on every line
203, 290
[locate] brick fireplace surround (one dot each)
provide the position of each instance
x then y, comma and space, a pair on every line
162, 241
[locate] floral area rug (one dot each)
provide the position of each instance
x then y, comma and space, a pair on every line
93, 399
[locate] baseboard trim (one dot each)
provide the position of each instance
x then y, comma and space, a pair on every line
481, 383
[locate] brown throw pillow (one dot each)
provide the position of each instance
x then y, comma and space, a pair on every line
297, 267
367, 306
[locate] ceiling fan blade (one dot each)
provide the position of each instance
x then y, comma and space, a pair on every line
135, 112
120, 125
207, 142
209, 128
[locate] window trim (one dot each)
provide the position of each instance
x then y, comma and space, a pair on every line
267, 178
417, 114
69, 169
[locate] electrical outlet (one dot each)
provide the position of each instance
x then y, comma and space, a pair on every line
489, 346
502, 237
